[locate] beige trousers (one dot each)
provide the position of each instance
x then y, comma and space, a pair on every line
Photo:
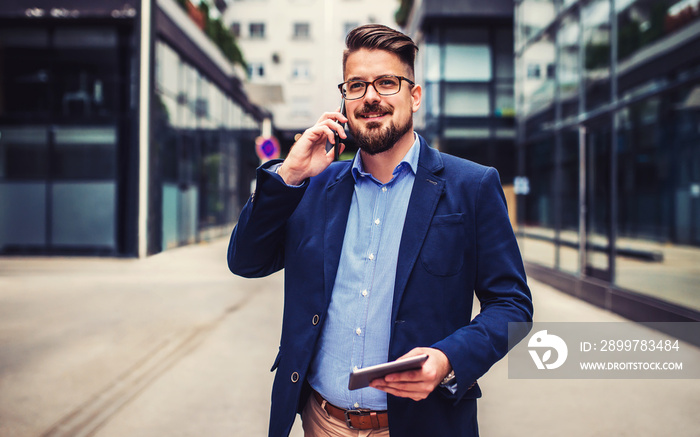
318, 423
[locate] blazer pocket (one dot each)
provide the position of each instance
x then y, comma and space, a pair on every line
443, 249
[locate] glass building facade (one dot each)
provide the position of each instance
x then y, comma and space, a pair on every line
200, 135
64, 118
608, 122
72, 151
465, 65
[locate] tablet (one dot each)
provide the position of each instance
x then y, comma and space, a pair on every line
361, 378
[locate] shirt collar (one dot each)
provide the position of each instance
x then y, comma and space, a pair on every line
409, 160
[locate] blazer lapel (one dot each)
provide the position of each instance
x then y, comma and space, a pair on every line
338, 199
427, 190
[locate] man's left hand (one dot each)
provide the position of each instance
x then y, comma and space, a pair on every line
416, 384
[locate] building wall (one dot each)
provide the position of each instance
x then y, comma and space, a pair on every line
465, 63
65, 122
608, 103
298, 45
203, 135
70, 153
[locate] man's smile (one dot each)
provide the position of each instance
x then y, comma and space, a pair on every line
373, 113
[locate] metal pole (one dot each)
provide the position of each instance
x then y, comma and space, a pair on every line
582, 200
144, 125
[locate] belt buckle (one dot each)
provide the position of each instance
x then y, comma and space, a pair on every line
348, 420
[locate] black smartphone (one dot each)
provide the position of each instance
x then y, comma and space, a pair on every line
329, 146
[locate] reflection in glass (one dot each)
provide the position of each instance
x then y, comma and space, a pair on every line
538, 236
196, 131
532, 16
596, 40
659, 180
83, 214
23, 153
85, 72
467, 100
537, 88
467, 62
22, 214
568, 69
641, 23
598, 200
505, 101
568, 188
504, 54
25, 72
85, 153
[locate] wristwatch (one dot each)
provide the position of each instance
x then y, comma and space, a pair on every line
449, 379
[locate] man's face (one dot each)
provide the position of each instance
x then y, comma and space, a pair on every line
379, 122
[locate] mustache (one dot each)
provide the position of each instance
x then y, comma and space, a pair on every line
374, 107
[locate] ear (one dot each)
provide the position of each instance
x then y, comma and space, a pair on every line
416, 96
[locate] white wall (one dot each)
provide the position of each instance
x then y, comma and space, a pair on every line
305, 99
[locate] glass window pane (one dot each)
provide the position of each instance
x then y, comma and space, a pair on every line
467, 62
431, 99
598, 197
23, 153
467, 100
167, 62
538, 235
596, 40
22, 214
77, 37
642, 23
432, 62
568, 69
504, 54
505, 100
659, 196
83, 214
85, 153
535, 88
25, 73
86, 73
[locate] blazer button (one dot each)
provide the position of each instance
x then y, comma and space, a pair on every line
295, 377
315, 319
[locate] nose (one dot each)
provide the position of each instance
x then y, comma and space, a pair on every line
371, 95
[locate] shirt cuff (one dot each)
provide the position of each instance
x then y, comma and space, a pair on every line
452, 387
274, 170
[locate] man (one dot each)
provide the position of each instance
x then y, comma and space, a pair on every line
382, 256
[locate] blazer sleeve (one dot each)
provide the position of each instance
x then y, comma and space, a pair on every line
500, 286
256, 248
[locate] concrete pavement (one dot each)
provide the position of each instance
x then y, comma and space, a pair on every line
175, 345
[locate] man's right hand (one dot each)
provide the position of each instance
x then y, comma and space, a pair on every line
308, 156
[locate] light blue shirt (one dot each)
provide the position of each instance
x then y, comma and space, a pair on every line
358, 324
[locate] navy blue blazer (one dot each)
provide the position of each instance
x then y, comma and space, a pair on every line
457, 241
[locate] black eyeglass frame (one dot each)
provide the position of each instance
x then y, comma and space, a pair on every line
368, 83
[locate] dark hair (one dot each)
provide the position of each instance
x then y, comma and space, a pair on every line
379, 37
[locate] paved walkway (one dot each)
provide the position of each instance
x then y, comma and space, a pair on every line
174, 345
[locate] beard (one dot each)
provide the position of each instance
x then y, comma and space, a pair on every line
373, 139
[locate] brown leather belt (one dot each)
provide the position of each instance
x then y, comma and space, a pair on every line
355, 419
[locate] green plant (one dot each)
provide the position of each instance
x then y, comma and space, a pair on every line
401, 15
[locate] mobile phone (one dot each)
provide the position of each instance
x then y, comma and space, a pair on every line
362, 377
329, 146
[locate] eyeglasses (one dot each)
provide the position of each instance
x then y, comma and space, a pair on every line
385, 86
